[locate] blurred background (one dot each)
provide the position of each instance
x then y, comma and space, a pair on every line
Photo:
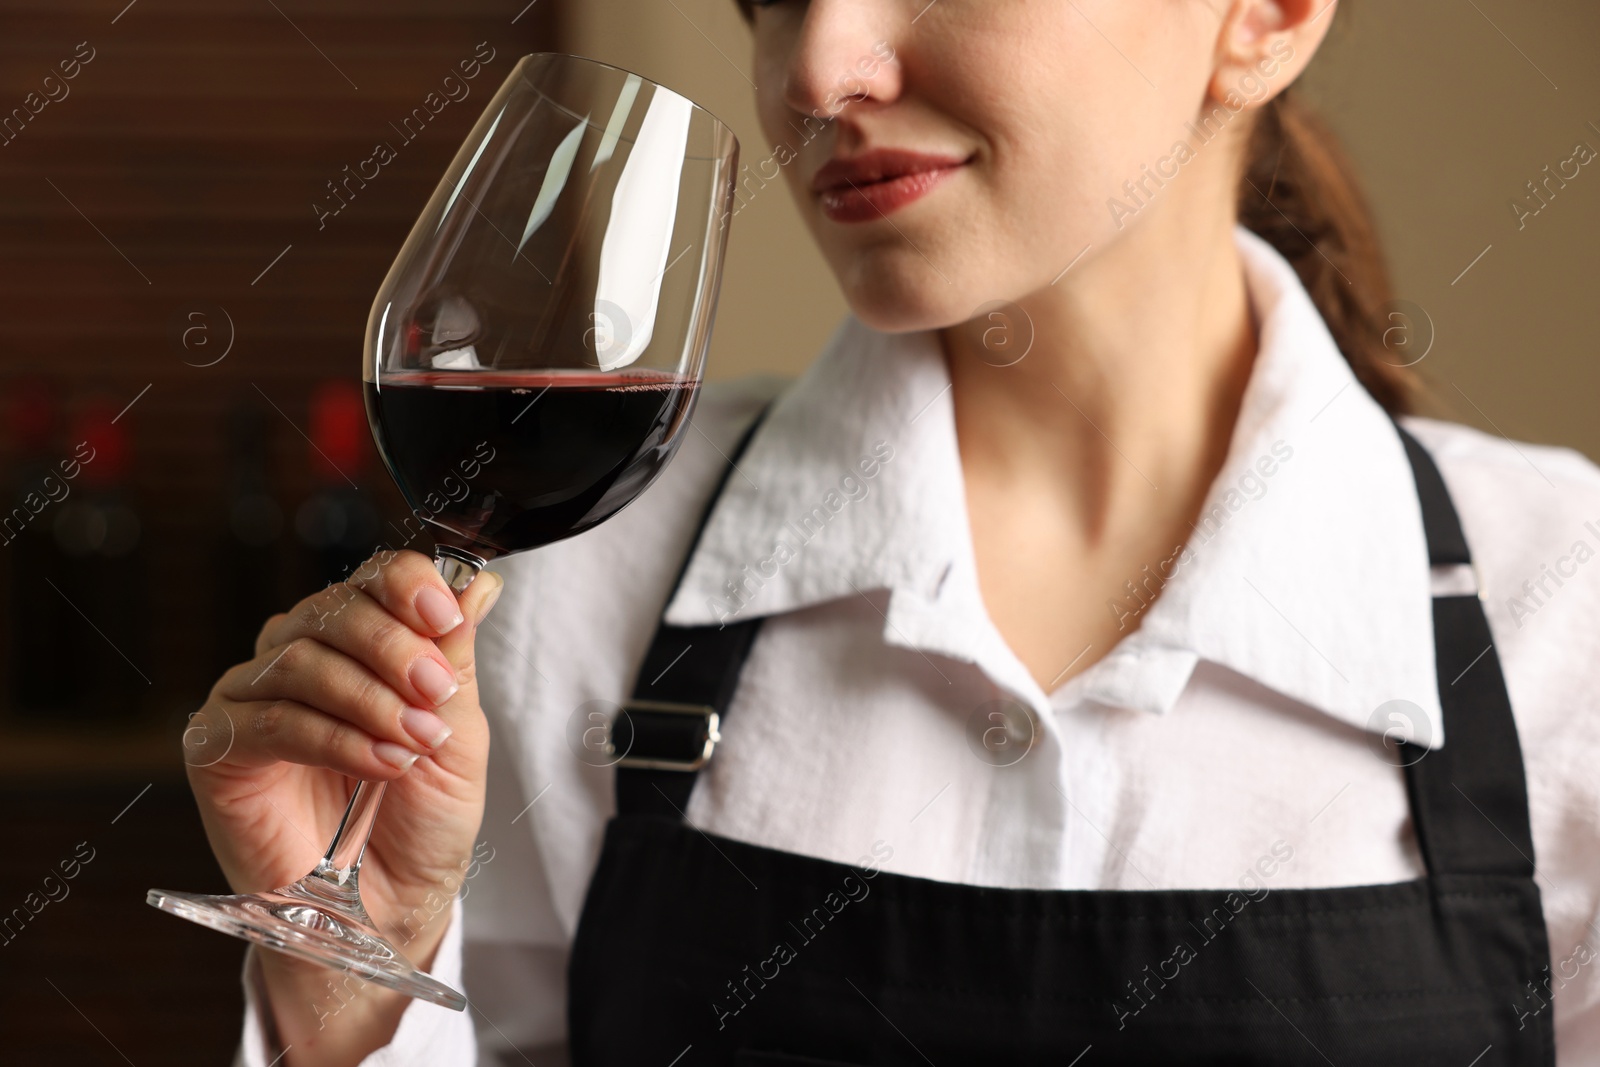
187, 272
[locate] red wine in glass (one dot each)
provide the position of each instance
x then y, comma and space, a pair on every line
501, 462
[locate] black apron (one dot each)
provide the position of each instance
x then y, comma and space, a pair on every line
694, 949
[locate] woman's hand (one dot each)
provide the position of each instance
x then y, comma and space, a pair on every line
372, 678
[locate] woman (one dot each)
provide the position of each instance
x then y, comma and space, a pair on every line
1100, 666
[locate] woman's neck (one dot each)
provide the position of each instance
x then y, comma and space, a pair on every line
1138, 364
1091, 456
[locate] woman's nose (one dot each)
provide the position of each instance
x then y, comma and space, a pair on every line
845, 55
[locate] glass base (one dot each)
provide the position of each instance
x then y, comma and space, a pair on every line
301, 920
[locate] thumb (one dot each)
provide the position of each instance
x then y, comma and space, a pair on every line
476, 602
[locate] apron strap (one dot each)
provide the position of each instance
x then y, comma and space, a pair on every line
667, 730
1469, 798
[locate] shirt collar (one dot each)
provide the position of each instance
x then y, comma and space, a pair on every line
1308, 572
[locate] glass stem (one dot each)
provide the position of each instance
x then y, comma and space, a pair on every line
336, 876
342, 862
457, 567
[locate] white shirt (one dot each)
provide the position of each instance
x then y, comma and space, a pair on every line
1242, 714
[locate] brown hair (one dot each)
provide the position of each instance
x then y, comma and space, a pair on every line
1301, 195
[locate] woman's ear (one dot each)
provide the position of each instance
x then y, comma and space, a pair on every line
1263, 45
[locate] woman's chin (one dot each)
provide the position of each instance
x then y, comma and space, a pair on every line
903, 309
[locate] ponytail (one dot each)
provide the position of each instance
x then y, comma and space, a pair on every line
1301, 195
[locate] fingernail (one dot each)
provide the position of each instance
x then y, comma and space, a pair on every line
494, 596
438, 609
397, 756
433, 680
425, 726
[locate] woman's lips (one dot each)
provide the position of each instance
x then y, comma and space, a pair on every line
860, 203
879, 181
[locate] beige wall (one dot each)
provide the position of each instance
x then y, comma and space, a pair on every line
1447, 118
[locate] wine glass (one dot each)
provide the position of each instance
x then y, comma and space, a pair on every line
531, 362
